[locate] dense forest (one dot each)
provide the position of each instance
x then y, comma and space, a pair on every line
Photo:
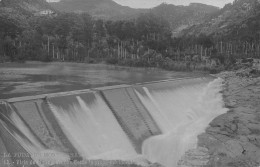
145, 41
78, 37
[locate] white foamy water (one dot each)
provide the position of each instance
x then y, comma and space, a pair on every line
182, 114
40, 155
94, 131
181, 111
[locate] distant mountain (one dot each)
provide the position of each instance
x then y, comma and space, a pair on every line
181, 17
243, 16
104, 9
14, 14
27, 7
12, 22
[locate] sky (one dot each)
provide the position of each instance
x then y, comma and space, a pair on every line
153, 3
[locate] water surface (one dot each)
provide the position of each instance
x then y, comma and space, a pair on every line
34, 78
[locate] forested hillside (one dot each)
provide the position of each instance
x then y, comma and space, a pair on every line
100, 9
26, 7
231, 33
79, 37
179, 17
145, 40
233, 17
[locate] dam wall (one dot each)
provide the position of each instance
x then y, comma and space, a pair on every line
109, 123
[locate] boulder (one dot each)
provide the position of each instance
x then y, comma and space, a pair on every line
231, 148
195, 158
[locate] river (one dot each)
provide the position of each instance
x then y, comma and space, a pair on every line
155, 121
34, 78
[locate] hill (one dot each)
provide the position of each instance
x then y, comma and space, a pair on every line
15, 15
238, 18
181, 17
27, 7
102, 9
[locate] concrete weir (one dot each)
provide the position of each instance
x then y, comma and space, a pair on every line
108, 124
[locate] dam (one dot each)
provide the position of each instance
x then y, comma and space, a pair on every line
158, 121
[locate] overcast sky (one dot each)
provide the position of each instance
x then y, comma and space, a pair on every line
152, 3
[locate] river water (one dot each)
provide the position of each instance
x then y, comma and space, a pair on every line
33, 78
155, 121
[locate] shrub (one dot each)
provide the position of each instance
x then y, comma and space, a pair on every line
112, 60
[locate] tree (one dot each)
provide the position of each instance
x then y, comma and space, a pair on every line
205, 41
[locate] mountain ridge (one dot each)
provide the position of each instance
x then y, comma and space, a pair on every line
178, 16
234, 17
181, 17
103, 9
15, 14
27, 7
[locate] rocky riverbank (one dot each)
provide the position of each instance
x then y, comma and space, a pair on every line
232, 139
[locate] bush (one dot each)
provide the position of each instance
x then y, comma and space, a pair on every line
91, 61
112, 60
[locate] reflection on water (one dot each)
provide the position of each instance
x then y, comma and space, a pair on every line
38, 78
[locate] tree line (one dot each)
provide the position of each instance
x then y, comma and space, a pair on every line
144, 41
79, 37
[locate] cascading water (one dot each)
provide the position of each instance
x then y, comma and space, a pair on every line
40, 155
187, 111
114, 124
93, 130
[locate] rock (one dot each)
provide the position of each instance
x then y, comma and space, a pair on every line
221, 133
221, 120
155, 165
212, 141
254, 139
243, 139
234, 162
254, 128
195, 158
231, 148
233, 139
242, 129
230, 103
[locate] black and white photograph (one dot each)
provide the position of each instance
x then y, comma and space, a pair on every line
129, 83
